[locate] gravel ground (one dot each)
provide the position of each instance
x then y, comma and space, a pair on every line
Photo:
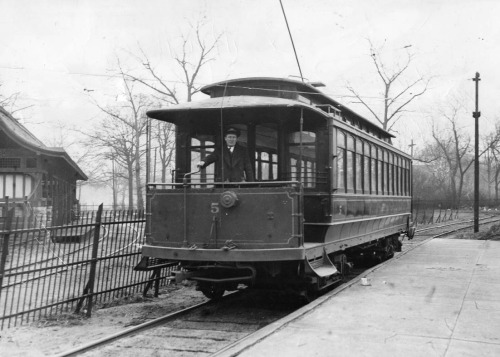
65, 332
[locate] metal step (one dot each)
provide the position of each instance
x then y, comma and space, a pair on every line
321, 266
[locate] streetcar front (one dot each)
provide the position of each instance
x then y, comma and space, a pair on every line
223, 232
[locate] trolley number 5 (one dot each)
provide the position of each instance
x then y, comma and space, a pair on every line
214, 208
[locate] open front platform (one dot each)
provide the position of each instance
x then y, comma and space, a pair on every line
440, 299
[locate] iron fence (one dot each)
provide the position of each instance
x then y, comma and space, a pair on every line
51, 270
428, 212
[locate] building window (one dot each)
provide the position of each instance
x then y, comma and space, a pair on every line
15, 186
10, 162
31, 163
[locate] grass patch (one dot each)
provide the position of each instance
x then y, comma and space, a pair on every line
492, 234
63, 319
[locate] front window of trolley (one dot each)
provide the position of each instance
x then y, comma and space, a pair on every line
231, 160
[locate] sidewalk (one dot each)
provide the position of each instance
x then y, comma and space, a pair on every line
440, 299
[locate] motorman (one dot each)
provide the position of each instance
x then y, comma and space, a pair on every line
236, 162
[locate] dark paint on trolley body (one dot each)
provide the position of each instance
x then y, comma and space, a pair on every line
328, 183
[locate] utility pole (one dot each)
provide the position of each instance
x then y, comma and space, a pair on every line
154, 167
476, 114
113, 180
148, 148
411, 147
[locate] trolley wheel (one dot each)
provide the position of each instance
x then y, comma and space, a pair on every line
212, 291
307, 295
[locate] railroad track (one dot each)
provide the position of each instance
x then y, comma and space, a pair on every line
206, 328
446, 229
199, 330
202, 329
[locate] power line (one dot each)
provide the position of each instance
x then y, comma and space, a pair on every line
331, 94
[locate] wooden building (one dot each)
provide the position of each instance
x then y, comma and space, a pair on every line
34, 178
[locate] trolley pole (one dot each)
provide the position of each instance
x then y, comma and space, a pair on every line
476, 116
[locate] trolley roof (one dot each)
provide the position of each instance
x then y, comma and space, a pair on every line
257, 93
237, 108
308, 90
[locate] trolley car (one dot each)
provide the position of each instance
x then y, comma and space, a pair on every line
328, 186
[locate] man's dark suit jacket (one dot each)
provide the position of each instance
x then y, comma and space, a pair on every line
237, 166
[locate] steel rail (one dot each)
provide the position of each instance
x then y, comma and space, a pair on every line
462, 228
144, 326
455, 223
135, 329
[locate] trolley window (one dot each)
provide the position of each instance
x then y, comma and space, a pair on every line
350, 164
373, 158
380, 170
303, 161
201, 147
389, 173
397, 175
266, 152
366, 169
341, 161
359, 166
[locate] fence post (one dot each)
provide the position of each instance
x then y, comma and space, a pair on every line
5, 248
415, 211
88, 292
6, 208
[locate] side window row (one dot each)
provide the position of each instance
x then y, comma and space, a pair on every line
366, 168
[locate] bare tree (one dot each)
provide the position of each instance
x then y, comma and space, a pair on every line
164, 140
10, 102
455, 147
195, 53
492, 161
451, 152
397, 92
429, 177
121, 135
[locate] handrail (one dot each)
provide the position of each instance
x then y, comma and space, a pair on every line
184, 180
243, 183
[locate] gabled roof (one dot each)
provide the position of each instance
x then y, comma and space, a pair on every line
24, 138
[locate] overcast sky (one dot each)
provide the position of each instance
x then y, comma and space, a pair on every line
51, 51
